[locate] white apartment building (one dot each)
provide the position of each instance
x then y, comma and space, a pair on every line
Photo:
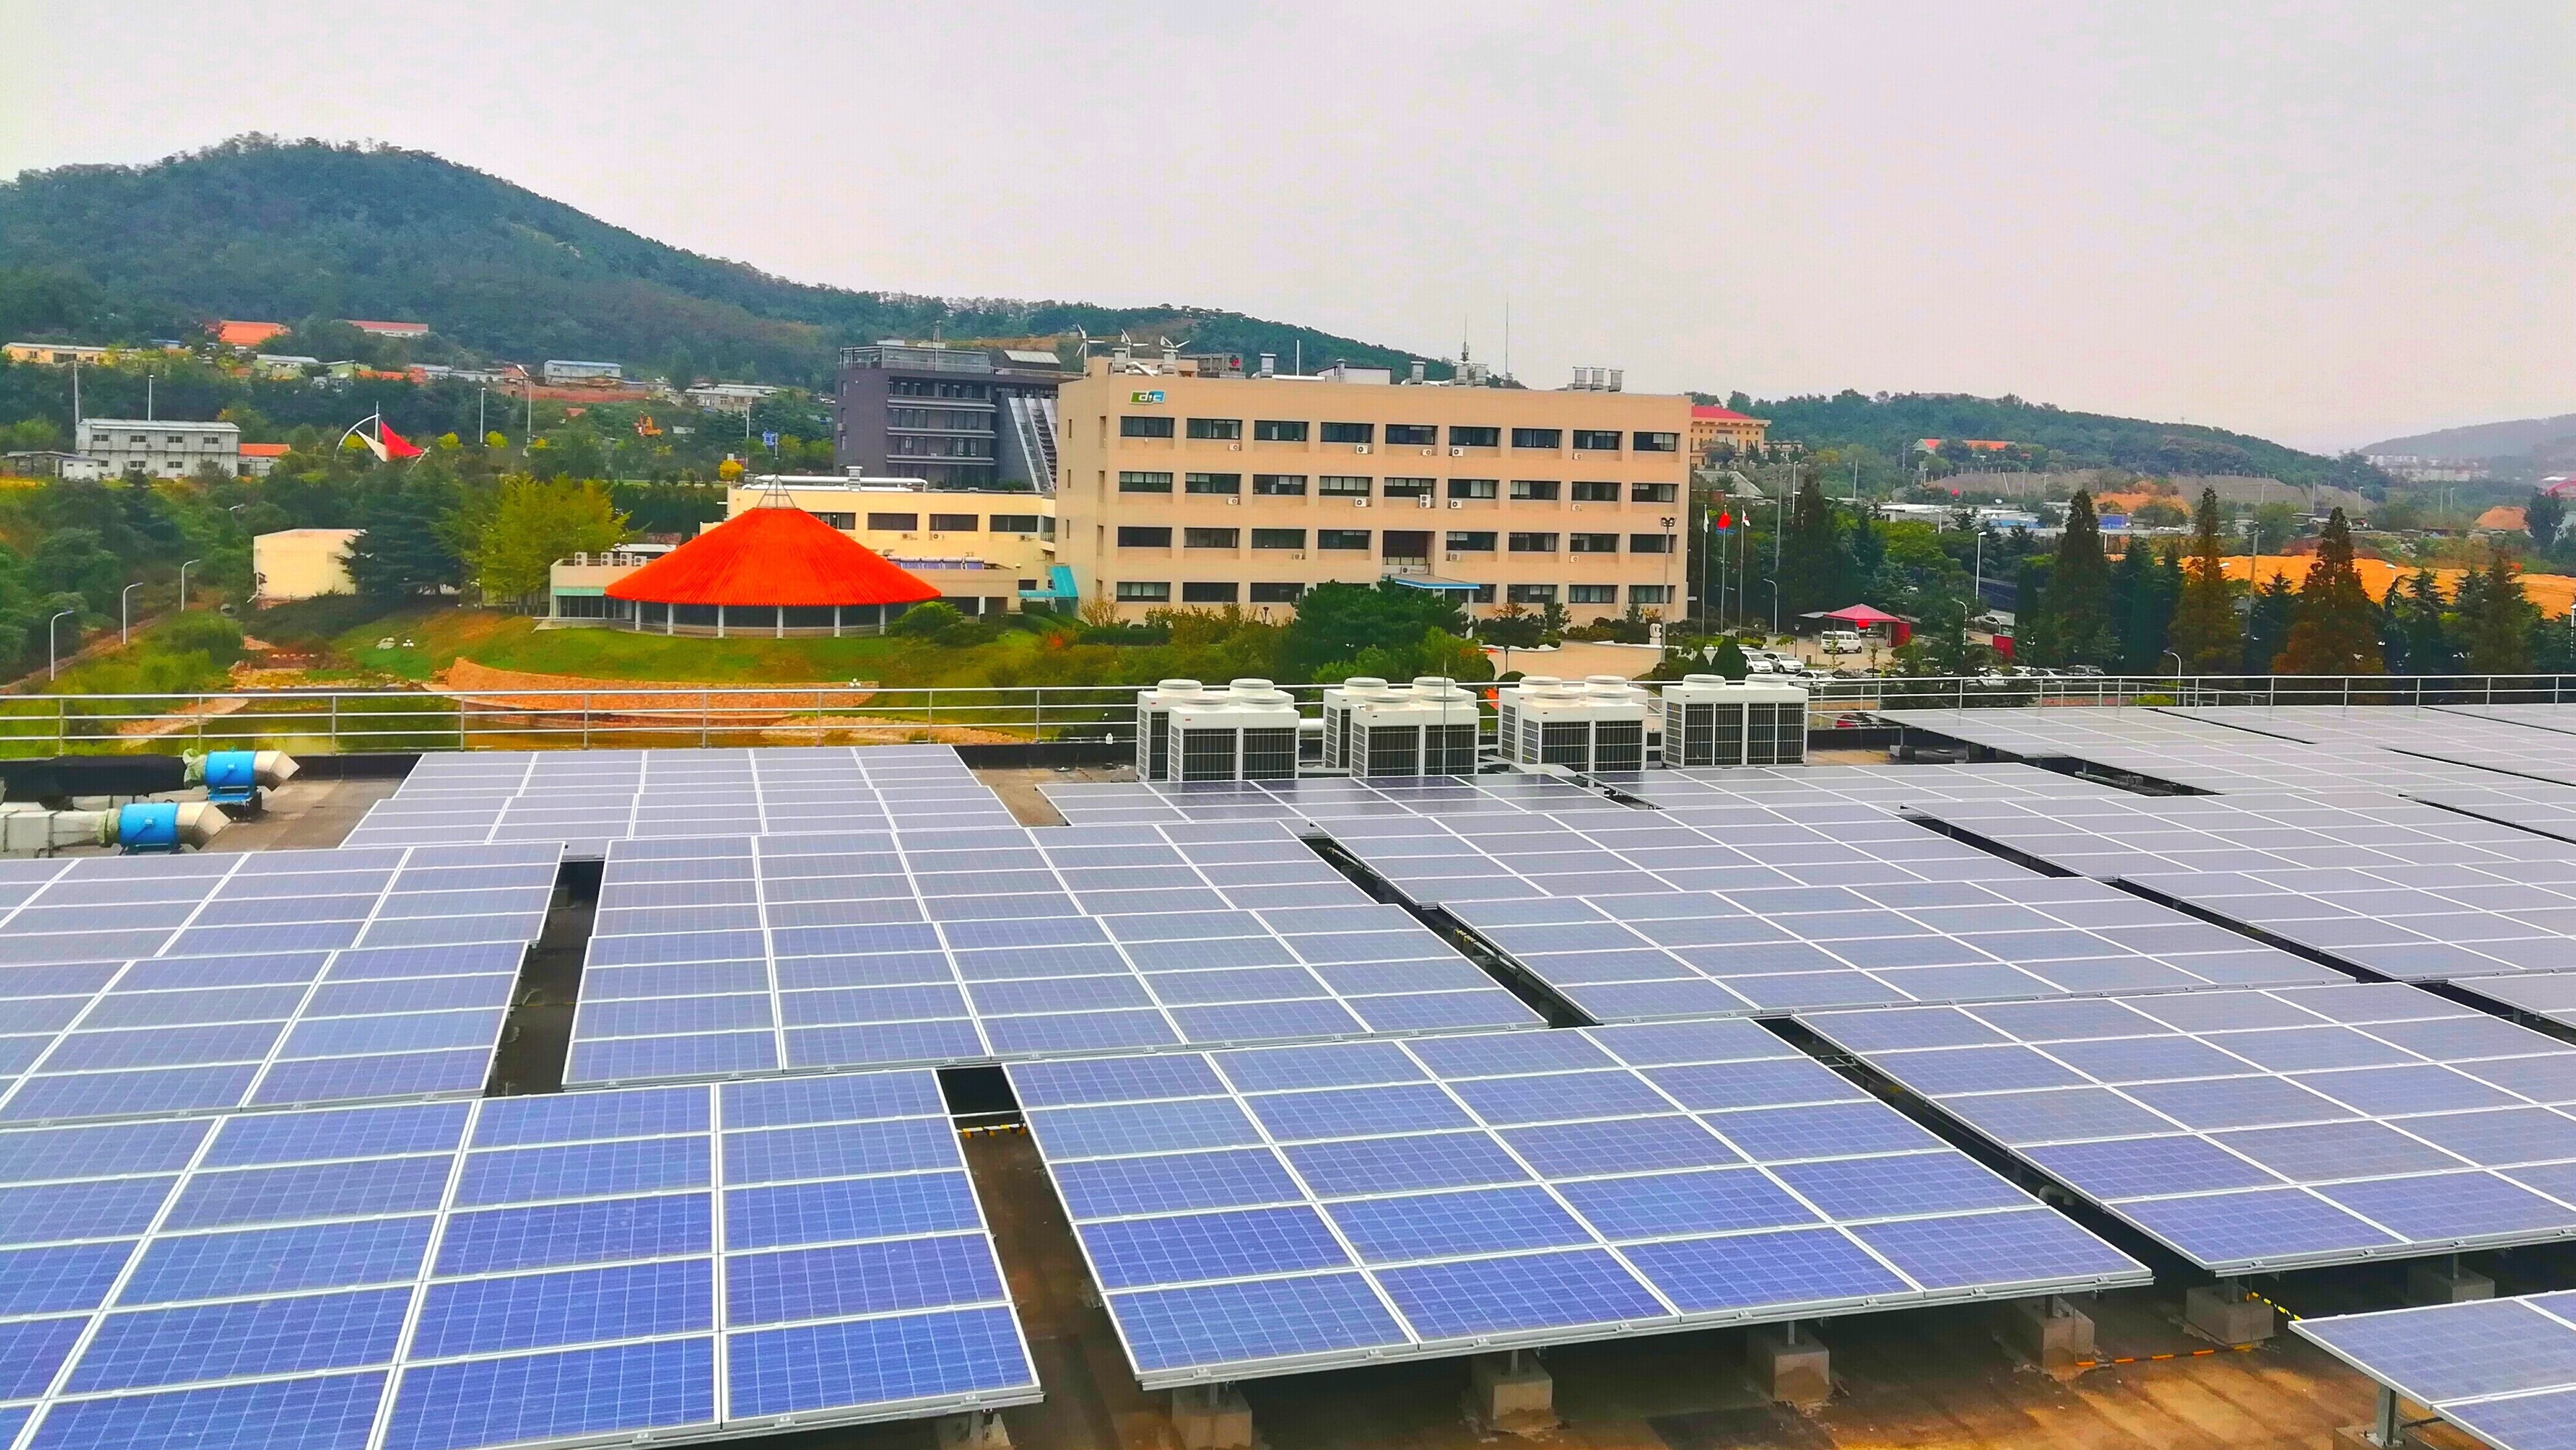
161, 448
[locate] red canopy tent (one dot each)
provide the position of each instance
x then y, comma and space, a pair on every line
768, 570
1861, 616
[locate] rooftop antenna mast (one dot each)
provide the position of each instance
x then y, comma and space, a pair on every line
1507, 334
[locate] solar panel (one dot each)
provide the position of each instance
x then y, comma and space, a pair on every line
975, 944
2114, 838
588, 798
2539, 806
2502, 1369
268, 979
1328, 798
1889, 787
2488, 739
2260, 1130
2420, 923
1270, 1211
2168, 746
670, 1261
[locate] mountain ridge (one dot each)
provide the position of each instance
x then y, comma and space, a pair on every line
2474, 442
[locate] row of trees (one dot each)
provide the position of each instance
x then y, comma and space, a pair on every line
2180, 611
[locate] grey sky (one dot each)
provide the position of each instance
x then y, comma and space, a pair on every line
2325, 224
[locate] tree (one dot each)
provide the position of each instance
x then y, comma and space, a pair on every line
407, 545
2544, 516
1811, 554
2206, 633
535, 523
2496, 619
2141, 610
1336, 621
73, 561
2418, 633
2075, 611
1511, 627
2337, 628
2268, 613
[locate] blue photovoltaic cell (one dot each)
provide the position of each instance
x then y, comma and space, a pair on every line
68, 1276
2505, 1369
1253, 1320
848, 1208
1445, 1225
243, 1339
268, 1261
531, 1311
328, 1412
312, 1190
875, 1361
1802, 1266
848, 1279
554, 1395
1195, 1247
1532, 1291
839, 1149
496, 1240
1111, 1187
31, 1350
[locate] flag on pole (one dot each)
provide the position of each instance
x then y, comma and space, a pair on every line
384, 442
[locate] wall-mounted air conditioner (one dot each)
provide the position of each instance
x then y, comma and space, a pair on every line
1359, 448
1592, 727
1457, 452
1450, 558
1455, 504
1712, 721
1234, 448
1234, 501
1359, 503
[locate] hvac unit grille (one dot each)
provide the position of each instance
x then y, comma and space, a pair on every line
1269, 754
1618, 745
1208, 754
1153, 743
1569, 743
1452, 749
1393, 750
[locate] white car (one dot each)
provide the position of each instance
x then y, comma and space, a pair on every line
1842, 642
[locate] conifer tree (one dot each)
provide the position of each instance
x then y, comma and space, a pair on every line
2417, 625
2336, 630
2496, 619
2206, 632
2076, 608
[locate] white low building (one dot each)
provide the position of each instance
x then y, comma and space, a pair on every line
160, 448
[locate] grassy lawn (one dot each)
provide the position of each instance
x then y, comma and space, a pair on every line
440, 636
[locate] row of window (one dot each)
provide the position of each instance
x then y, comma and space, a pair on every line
1398, 435
954, 420
1336, 485
939, 523
929, 388
907, 445
1225, 591
1459, 541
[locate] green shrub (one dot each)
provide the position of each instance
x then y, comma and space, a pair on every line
927, 621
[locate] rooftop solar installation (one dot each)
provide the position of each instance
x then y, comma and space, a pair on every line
2126, 836
139, 986
2540, 806
2550, 995
1267, 1212
1885, 786
2560, 716
792, 953
1737, 910
2197, 754
2261, 1130
584, 1267
2427, 923
2504, 1370
2434, 734
587, 798
1318, 798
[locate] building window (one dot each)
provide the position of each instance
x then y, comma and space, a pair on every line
1462, 436
837, 520
1132, 426
1343, 485
1536, 437
1645, 442
1131, 592
952, 523
1536, 489
1274, 430
1652, 492
895, 523
1596, 440
1140, 536
1650, 543
1591, 593
1275, 593
1350, 432
1226, 429
1409, 487
1650, 593
1278, 538
1533, 543
1213, 483
1474, 487
1144, 482
1211, 593
1408, 544
1014, 524
1402, 435
1596, 493
1470, 541
1594, 543
1342, 539
1484, 594
1210, 538
1280, 485
1532, 594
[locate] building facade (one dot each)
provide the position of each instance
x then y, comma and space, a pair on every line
1712, 428
56, 354
1180, 489
574, 372
958, 417
160, 448
300, 564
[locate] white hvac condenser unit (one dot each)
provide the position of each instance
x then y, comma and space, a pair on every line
1592, 727
1426, 728
1711, 720
1245, 731
1154, 725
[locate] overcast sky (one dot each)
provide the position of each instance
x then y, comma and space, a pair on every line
2324, 224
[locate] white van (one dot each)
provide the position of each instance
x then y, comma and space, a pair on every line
1842, 642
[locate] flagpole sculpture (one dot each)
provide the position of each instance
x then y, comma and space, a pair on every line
385, 443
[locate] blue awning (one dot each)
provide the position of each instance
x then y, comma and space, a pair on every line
1060, 585
1425, 581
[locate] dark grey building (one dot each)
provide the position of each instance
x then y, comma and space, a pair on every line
958, 417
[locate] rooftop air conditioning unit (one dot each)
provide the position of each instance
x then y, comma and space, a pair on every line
1595, 727
1427, 728
1247, 731
1712, 721
1154, 725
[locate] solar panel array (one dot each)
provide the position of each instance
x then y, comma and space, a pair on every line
135, 986
2198, 754
2433, 734
2416, 923
1263, 1212
788, 953
2502, 1369
588, 798
2542, 807
2114, 838
666, 1262
1323, 798
2261, 1130
1886, 786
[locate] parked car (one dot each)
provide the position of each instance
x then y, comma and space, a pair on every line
1842, 642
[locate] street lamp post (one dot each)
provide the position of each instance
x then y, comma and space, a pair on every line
49, 639
1667, 610
183, 583
125, 611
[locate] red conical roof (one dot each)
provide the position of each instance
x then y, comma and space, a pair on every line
772, 555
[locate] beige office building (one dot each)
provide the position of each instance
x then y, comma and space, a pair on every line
1189, 488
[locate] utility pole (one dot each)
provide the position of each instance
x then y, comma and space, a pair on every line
183, 583
125, 612
480, 432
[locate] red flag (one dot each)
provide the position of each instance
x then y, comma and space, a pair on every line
1726, 521
395, 444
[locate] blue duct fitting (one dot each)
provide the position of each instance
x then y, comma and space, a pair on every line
151, 827
232, 776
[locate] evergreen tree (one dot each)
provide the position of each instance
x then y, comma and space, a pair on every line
2267, 624
2495, 620
404, 549
1812, 554
2206, 632
2078, 605
2421, 635
2337, 628
2544, 516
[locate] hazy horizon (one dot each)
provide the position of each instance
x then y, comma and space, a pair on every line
2324, 228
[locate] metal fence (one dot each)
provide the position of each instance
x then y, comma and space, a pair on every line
338, 721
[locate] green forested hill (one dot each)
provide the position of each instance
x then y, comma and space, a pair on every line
260, 228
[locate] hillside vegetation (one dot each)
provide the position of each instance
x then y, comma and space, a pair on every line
278, 230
